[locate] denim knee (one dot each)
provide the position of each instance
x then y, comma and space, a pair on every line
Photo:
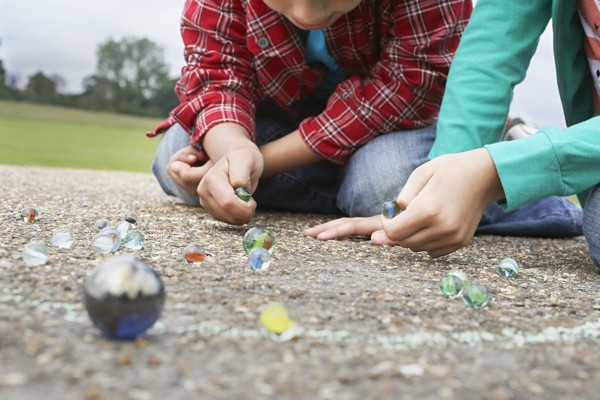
378, 170
173, 140
591, 224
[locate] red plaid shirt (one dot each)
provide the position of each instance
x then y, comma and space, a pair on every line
240, 52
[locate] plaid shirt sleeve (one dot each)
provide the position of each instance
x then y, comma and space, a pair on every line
403, 90
217, 82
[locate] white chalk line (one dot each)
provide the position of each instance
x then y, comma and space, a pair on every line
508, 336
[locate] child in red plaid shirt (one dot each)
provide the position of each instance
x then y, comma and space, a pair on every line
313, 105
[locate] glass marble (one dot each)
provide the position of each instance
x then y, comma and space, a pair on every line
35, 253
130, 217
134, 240
243, 193
258, 237
29, 215
124, 227
107, 241
390, 209
259, 258
124, 297
508, 268
194, 253
276, 320
101, 224
475, 295
451, 286
62, 239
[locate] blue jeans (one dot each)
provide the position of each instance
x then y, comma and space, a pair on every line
374, 173
591, 224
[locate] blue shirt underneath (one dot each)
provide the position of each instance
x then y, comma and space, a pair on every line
317, 52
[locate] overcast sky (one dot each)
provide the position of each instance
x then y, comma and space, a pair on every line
61, 37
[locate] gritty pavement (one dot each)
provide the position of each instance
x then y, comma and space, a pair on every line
375, 325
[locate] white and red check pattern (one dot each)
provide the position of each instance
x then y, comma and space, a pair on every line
240, 52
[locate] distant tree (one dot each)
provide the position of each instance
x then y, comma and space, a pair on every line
5, 91
41, 88
129, 76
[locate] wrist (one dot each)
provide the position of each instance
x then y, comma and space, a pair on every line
223, 138
494, 190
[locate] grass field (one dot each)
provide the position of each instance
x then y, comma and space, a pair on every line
43, 135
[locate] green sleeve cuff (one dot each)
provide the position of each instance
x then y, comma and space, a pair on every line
528, 169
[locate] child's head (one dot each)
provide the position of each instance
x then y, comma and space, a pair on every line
312, 14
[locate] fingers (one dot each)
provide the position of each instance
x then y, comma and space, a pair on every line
186, 176
380, 238
344, 227
415, 183
244, 172
184, 168
216, 190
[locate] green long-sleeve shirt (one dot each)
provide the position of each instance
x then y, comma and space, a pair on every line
492, 58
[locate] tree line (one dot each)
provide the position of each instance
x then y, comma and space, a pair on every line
131, 77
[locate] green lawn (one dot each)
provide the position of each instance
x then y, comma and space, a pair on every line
42, 135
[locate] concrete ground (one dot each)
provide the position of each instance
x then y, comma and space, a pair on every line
375, 325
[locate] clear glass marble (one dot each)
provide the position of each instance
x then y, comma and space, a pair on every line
62, 239
124, 297
451, 286
390, 209
475, 295
124, 227
243, 193
508, 268
29, 215
35, 253
258, 237
460, 274
259, 258
107, 241
101, 224
131, 218
194, 253
134, 240
278, 322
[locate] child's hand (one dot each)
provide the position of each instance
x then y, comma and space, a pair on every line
240, 167
343, 227
187, 167
443, 201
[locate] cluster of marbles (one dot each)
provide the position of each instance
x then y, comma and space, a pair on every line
36, 253
259, 243
456, 284
124, 297
278, 322
390, 209
109, 238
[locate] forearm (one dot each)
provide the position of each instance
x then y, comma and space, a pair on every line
286, 153
222, 138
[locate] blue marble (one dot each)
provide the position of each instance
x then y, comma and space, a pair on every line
390, 209
124, 297
259, 258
